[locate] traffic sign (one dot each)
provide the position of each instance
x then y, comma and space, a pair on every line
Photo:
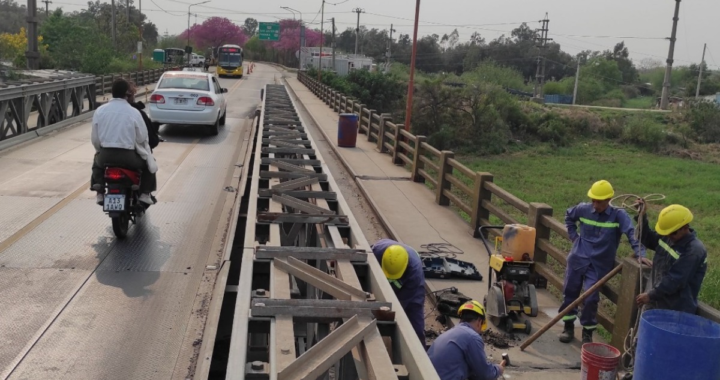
269, 31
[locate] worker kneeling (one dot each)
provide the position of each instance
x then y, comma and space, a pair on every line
459, 353
402, 267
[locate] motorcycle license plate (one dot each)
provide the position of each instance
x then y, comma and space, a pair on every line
114, 202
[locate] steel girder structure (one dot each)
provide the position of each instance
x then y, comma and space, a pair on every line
312, 300
54, 100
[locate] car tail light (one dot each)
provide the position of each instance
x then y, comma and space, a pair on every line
159, 99
205, 101
114, 174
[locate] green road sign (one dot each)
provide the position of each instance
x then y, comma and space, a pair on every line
269, 31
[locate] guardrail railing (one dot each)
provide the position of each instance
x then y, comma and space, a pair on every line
476, 196
31, 104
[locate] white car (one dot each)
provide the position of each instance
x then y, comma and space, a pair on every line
189, 98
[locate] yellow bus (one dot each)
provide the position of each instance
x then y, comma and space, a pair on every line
230, 61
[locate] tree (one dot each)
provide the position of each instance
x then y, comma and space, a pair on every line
621, 55
476, 39
523, 33
250, 27
215, 31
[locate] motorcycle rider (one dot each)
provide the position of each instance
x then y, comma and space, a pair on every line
120, 137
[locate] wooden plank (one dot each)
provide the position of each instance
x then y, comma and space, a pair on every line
300, 205
285, 150
295, 161
319, 279
303, 194
291, 167
269, 174
358, 257
274, 217
295, 183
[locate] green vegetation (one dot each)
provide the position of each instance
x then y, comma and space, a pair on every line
378, 91
560, 177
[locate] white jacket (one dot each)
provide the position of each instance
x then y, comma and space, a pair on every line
118, 125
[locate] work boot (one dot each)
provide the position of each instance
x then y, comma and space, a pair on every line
568, 333
587, 336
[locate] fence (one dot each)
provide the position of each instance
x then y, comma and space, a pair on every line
33, 104
475, 194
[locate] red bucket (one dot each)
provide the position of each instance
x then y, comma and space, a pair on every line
599, 361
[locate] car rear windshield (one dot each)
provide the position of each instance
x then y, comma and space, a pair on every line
189, 82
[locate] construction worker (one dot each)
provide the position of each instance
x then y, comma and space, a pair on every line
459, 353
593, 254
403, 268
679, 264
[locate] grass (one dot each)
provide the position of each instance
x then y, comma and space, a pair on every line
643, 102
561, 177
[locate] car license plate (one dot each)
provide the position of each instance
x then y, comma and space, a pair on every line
180, 101
114, 202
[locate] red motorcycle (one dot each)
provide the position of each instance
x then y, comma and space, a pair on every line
121, 198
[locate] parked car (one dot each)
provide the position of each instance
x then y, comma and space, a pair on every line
189, 98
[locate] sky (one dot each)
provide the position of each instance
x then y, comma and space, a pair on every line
644, 25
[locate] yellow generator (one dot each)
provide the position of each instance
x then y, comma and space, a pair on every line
510, 293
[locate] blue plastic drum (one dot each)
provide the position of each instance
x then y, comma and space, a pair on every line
676, 345
347, 130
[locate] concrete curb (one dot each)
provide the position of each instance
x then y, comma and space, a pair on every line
43, 131
384, 220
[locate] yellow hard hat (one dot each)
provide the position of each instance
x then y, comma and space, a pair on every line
672, 218
394, 261
476, 307
601, 190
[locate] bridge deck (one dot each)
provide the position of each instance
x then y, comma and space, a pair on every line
79, 304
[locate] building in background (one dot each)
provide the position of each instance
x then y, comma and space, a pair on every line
344, 63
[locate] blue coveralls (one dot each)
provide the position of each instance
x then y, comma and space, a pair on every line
678, 270
459, 354
410, 288
593, 254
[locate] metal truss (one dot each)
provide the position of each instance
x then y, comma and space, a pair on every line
54, 100
311, 304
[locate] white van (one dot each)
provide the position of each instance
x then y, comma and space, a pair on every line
196, 60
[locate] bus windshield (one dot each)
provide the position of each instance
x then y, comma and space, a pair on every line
230, 57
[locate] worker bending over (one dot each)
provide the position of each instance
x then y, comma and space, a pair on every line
459, 353
593, 254
679, 264
403, 268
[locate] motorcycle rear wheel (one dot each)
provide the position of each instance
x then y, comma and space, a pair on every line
120, 225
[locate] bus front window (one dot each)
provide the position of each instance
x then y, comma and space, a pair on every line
229, 59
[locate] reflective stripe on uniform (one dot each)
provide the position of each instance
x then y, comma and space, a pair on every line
397, 283
569, 318
593, 327
669, 250
600, 224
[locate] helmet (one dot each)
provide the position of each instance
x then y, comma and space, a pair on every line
476, 307
672, 218
394, 261
601, 190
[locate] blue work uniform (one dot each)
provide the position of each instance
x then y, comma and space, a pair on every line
459, 354
410, 288
678, 270
593, 254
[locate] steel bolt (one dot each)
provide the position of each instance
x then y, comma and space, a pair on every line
256, 366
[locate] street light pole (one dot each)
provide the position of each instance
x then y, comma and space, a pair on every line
411, 83
301, 27
322, 20
188, 31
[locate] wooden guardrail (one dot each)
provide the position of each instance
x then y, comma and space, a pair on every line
476, 195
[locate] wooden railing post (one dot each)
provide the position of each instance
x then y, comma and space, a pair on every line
370, 114
398, 149
626, 305
443, 183
381, 132
535, 213
480, 194
417, 163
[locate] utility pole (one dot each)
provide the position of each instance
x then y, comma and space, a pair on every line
577, 78
140, 32
389, 50
542, 46
112, 11
664, 100
333, 44
702, 63
322, 24
47, 7
411, 82
357, 30
32, 54
187, 48
127, 11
